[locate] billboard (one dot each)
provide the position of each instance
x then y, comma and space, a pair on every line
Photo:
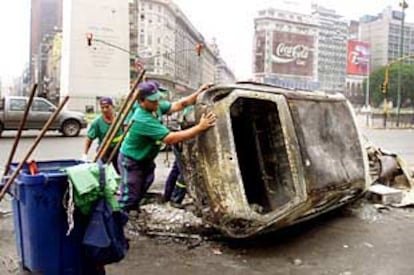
292, 54
358, 58
259, 57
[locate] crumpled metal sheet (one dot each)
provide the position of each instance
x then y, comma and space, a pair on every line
391, 170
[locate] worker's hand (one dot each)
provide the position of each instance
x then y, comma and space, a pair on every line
84, 157
205, 87
207, 120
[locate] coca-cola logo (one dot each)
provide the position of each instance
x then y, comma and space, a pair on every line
291, 53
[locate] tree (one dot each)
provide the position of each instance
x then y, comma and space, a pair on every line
407, 84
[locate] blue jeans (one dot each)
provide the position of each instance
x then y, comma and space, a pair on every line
170, 182
136, 178
175, 189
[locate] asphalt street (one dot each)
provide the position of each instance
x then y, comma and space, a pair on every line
358, 239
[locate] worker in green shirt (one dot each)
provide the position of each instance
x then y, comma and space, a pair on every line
99, 127
143, 141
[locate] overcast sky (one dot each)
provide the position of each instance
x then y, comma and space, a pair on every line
229, 21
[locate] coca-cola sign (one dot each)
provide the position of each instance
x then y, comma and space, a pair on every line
292, 54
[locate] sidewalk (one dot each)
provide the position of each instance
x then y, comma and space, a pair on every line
378, 123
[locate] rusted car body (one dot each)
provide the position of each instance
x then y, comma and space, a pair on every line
274, 158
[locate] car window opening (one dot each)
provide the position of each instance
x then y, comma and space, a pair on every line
262, 154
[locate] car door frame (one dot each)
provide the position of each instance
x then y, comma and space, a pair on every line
40, 112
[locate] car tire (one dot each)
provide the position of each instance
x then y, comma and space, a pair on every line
71, 128
1, 128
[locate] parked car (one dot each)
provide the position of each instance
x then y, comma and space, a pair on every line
12, 108
275, 157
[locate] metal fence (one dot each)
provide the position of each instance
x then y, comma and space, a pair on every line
380, 119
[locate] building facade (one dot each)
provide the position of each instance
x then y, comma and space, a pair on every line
285, 49
353, 30
46, 19
166, 46
161, 39
100, 67
303, 51
383, 33
332, 48
223, 74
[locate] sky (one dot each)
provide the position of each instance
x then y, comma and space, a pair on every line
230, 22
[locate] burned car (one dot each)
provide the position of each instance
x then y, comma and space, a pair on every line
274, 158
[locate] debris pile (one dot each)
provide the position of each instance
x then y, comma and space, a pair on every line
165, 220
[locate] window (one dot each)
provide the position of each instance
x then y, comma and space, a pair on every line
17, 104
39, 105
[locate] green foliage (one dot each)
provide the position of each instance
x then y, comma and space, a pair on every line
407, 84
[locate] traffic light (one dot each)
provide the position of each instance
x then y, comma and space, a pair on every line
403, 4
89, 37
198, 48
384, 87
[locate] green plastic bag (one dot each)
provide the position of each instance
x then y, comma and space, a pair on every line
85, 180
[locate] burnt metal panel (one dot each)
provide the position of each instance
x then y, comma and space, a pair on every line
330, 148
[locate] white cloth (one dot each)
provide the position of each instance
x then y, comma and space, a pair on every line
84, 157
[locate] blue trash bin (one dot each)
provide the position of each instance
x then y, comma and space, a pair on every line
40, 220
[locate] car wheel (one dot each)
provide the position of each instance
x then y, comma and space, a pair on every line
1, 128
71, 128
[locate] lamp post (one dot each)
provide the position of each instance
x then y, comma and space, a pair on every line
367, 91
403, 4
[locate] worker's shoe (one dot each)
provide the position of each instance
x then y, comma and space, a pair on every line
133, 215
176, 205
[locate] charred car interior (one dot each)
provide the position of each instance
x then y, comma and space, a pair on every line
261, 153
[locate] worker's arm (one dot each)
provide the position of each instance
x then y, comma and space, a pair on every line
206, 121
188, 100
88, 143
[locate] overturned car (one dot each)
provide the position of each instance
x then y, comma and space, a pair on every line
275, 157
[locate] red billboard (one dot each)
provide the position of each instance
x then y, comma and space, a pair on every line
358, 58
292, 53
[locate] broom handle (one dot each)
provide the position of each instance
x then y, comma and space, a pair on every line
116, 148
21, 126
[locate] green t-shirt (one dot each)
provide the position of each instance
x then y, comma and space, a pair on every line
98, 129
145, 136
